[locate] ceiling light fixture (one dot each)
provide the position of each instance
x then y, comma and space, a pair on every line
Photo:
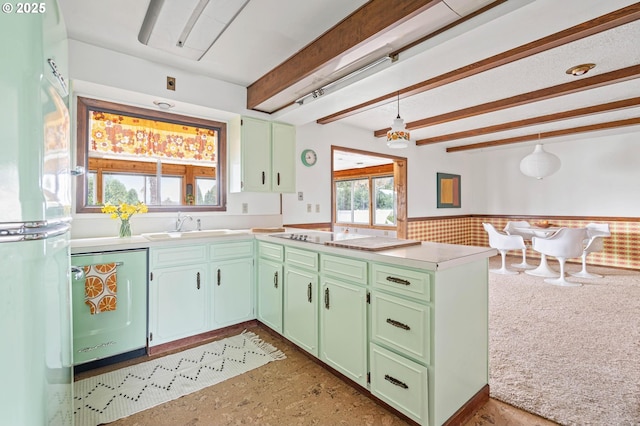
163, 104
321, 91
579, 70
398, 137
540, 163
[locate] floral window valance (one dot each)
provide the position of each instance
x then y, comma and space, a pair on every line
140, 137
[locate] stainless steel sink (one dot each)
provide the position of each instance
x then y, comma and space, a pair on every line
207, 233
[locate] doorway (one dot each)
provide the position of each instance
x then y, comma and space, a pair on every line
368, 190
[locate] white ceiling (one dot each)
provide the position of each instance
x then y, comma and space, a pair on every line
267, 32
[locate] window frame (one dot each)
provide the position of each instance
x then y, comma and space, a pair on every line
190, 171
367, 173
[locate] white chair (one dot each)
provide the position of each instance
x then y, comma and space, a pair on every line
503, 243
594, 242
512, 229
565, 244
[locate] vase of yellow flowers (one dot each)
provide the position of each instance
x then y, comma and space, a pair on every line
124, 211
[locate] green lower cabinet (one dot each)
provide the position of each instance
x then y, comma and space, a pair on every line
270, 285
177, 303
343, 328
400, 382
232, 283
301, 308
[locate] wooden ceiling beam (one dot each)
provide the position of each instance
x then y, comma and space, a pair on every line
374, 18
549, 118
546, 135
602, 23
611, 77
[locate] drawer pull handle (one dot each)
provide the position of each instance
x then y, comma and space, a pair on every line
399, 281
278, 178
398, 324
275, 279
326, 298
198, 280
263, 176
218, 278
309, 293
395, 381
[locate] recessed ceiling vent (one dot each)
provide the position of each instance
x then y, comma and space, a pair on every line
187, 28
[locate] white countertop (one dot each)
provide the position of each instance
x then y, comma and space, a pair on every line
101, 244
427, 255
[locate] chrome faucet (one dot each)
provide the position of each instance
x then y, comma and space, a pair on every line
180, 221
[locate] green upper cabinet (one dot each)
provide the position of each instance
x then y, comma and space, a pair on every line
261, 156
283, 149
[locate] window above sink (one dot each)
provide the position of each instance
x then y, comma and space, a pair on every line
170, 162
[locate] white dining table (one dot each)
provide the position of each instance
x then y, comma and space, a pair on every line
543, 269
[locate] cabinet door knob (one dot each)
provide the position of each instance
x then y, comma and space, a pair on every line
326, 298
263, 177
198, 280
278, 178
218, 277
275, 279
309, 293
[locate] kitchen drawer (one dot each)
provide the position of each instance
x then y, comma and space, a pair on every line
301, 258
400, 383
400, 280
271, 251
176, 256
344, 268
401, 324
234, 250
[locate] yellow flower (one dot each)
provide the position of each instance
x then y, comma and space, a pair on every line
124, 211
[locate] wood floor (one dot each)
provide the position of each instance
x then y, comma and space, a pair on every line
295, 391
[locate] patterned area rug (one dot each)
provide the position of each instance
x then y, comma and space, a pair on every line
111, 396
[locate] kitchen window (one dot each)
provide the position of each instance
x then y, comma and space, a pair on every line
170, 162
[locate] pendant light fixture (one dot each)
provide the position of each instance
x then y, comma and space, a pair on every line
540, 163
398, 137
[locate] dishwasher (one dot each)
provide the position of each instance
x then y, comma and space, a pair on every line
114, 334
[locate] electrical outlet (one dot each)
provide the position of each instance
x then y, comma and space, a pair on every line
245, 207
308, 208
171, 83
317, 208
300, 196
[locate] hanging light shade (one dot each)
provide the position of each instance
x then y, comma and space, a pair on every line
539, 163
398, 137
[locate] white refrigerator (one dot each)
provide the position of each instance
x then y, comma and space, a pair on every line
35, 218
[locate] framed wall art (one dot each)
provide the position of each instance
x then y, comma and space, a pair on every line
448, 190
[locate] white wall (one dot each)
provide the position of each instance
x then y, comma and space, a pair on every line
599, 176
422, 165
108, 75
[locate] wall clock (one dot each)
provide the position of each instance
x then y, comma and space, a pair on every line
309, 157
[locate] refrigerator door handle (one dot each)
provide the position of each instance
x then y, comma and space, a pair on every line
29, 231
77, 171
78, 273
61, 81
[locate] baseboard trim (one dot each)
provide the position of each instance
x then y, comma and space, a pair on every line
458, 418
200, 339
467, 411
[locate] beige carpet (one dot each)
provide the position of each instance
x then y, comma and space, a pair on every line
571, 355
